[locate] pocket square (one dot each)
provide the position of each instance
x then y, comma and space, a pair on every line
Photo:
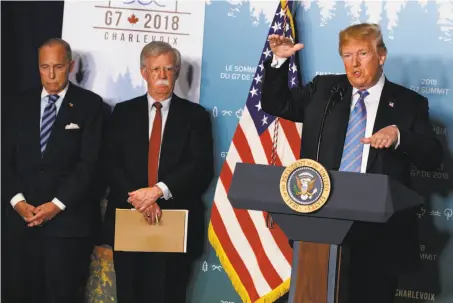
72, 126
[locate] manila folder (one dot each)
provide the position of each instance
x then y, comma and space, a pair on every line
133, 233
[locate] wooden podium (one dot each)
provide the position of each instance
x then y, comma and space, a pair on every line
319, 251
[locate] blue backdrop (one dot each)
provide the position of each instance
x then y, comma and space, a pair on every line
418, 35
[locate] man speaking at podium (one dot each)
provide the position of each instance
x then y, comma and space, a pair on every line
360, 122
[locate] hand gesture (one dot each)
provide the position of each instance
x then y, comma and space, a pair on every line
283, 47
43, 213
144, 198
384, 138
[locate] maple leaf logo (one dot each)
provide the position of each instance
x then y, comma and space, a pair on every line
132, 19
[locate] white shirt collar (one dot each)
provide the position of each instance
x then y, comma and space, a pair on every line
165, 103
375, 89
44, 93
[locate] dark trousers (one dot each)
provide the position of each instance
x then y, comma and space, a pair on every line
151, 277
44, 269
368, 278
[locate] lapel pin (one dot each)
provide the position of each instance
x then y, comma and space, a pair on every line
391, 104
71, 105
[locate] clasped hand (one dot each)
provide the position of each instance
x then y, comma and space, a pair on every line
36, 216
144, 200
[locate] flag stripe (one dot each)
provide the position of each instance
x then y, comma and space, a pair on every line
290, 131
232, 254
267, 269
252, 138
243, 148
243, 217
236, 234
270, 246
266, 140
281, 240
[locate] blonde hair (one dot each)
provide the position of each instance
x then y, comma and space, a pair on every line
363, 31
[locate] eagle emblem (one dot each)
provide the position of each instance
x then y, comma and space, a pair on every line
305, 188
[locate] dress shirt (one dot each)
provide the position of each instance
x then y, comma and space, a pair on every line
152, 113
44, 101
371, 104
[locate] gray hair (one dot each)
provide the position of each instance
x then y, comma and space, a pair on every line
157, 48
58, 41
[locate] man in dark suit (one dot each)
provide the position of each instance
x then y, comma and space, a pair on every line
52, 146
372, 125
159, 155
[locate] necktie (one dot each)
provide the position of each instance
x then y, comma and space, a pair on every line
48, 119
154, 146
352, 150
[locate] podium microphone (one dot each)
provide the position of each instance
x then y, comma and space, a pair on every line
336, 89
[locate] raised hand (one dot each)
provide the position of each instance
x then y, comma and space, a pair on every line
283, 47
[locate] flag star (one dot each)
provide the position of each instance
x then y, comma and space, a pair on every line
254, 91
267, 53
277, 26
287, 27
258, 78
293, 81
264, 120
281, 13
261, 66
258, 106
294, 68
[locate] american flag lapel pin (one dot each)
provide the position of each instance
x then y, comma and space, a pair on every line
391, 104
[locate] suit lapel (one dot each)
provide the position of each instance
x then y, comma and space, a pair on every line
65, 113
172, 138
383, 115
140, 132
33, 130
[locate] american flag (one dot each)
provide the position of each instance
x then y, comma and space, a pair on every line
257, 259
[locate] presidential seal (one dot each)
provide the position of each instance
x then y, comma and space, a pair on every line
305, 186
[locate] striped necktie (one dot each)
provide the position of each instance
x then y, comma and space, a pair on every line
352, 150
48, 119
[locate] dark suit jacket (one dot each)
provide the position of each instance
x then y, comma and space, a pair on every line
186, 159
418, 144
67, 168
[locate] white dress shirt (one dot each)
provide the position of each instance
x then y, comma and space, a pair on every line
371, 104
44, 101
152, 113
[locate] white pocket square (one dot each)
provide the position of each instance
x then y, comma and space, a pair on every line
72, 126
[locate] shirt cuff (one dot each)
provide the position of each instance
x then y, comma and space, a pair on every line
398, 140
16, 199
58, 203
277, 61
167, 194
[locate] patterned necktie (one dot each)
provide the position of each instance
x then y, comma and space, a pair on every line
154, 146
48, 118
352, 151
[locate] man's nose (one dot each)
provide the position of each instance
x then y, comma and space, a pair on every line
51, 73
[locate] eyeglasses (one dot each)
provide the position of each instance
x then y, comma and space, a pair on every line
169, 70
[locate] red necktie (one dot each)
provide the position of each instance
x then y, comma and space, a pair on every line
154, 146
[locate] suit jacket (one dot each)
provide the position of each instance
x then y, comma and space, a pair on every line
185, 164
66, 169
397, 240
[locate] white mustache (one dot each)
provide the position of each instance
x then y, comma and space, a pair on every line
163, 82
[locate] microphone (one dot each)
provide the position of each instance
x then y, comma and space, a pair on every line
336, 89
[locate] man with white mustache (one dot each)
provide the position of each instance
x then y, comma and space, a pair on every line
371, 126
158, 155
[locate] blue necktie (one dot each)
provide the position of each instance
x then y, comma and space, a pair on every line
48, 118
352, 150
